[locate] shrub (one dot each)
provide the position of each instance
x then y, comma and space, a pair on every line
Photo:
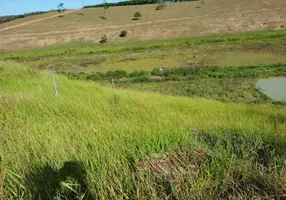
141, 79
160, 7
137, 16
94, 76
138, 73
157, 72
115, 74
123, 33
103, 39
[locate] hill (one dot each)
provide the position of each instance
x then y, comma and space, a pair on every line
98, 143
154, 115
220, 67
177, 20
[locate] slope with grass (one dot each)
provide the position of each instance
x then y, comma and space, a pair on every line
93, 142
176, 20
221, 67
254, 48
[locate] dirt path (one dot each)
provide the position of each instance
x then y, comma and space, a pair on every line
34, 21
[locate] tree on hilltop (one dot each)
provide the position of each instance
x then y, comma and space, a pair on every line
61, 9
161, 5
106, 8
82, 3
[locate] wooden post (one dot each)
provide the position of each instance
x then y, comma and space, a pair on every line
55, 84
112, 83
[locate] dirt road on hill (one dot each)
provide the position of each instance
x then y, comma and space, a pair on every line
34, 21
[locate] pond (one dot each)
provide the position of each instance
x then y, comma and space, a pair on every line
275, 88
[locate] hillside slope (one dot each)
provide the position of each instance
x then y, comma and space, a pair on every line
177, 20
99, 143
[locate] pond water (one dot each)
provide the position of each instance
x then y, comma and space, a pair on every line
275, 88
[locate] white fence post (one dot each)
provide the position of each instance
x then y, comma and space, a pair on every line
55, 84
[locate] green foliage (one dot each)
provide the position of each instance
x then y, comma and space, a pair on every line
61, 8
161, 5
219, 83
103, 39
123, 33
106, 6
137, 15
223, 72
194, 73
125, 3
5, 19
128, 3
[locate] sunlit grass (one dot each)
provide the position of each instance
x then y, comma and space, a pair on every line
111, 131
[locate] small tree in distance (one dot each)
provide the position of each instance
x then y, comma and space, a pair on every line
82, 3
103, 39
61, 9
106, 8
161, 5
123, 33
137, 16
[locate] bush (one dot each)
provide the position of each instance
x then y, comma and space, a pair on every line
115, 74
138, 73
160, 7
141, 79
103, 39
123, 33
137, 15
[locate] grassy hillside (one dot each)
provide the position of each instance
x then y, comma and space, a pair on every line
95, 142
221, 67
176, 20
254, 48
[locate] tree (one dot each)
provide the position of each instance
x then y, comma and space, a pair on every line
123, 33
137, 16
61, 9
82, 3
103, 39
161, 5
106, 8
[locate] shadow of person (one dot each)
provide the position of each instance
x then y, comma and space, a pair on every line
47, 183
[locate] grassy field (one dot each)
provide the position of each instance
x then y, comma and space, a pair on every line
259, 48
93, 142
222, 67
177, 20
99, 143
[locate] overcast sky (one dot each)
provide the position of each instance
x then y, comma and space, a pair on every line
14, 7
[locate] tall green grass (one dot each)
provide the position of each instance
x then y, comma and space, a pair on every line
93, 142
235, 84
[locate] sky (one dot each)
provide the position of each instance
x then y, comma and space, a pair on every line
14, 7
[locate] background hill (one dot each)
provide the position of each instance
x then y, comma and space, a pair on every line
176, 20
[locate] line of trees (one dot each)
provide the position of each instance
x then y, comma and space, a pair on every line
5, 19
132, 2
